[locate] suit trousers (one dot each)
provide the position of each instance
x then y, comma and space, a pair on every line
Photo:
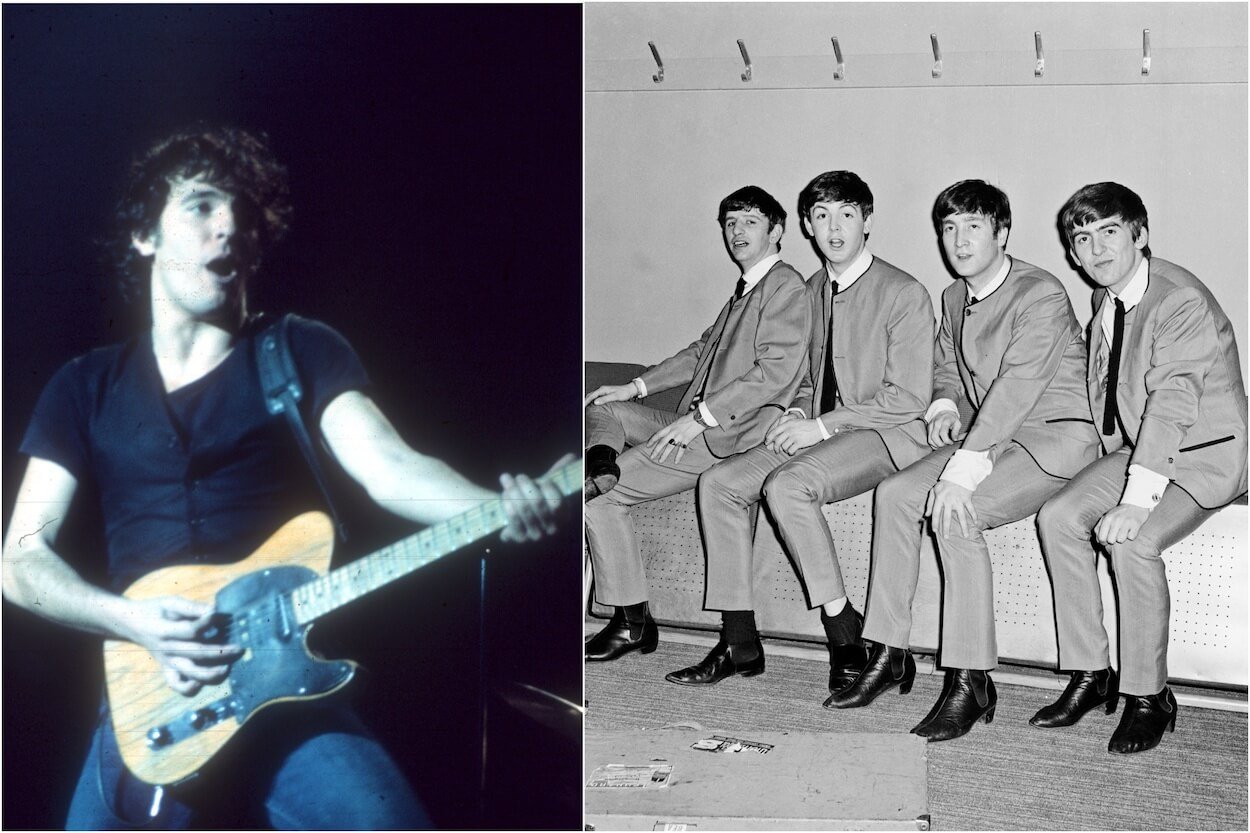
619, 575
796, 488
1015, 489
1066, 523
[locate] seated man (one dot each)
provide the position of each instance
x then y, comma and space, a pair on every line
871, 368
739, 376
1009, 350
1174, 428
191, 468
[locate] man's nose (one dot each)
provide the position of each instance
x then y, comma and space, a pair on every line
223, 222
1096, 245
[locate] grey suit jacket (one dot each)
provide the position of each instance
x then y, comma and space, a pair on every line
1016, 360
882, 354
753, 358
1181, 398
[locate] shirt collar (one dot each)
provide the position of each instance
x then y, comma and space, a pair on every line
994, 284
757, 272
853, 272
1136, 287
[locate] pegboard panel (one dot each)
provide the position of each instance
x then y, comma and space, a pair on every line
1207, 576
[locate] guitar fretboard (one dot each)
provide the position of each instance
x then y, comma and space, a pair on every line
350, 582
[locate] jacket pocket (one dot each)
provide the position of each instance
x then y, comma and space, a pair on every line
1229, 438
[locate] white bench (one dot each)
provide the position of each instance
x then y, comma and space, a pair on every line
1207, 576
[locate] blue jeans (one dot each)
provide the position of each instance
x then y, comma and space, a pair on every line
303, 767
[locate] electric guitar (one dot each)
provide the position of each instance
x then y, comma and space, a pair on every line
265, 603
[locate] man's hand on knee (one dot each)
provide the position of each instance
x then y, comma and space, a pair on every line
949, 501
1120, 524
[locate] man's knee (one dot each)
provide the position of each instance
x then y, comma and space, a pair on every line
1141, 551
903, 491
787, 484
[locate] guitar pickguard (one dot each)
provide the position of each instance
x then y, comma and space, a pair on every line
276, 664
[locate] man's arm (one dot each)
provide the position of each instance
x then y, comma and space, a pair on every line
419, 487
37, 579
1183, 347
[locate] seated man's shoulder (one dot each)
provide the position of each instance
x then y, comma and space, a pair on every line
1178, 285
887, 274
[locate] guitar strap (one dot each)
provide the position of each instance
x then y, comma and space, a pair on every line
279, 381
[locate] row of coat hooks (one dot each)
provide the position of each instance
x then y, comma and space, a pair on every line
839, 72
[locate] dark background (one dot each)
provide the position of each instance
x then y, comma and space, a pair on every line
435, 159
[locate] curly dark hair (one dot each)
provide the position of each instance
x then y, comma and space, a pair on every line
228, 158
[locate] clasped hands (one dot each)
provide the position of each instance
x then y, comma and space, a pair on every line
792, 433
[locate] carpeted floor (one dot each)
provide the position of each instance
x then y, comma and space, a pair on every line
1005, 776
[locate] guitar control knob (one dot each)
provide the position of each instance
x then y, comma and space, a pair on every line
159, 736
200, 718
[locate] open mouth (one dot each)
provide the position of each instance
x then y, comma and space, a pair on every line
226, 266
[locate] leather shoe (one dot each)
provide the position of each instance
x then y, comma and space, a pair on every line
719, 664
847, 654
845, 663
1086, 691
1144, 721
622, 636
969, 696
885, 668
602, 472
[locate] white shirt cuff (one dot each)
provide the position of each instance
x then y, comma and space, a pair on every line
968, 468
802, 414
937, 407
642, 387
824, 432
707, 415
1144, 487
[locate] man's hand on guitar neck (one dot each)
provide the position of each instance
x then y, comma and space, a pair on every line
180, 635
530, 504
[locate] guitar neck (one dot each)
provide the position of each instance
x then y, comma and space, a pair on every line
372, 572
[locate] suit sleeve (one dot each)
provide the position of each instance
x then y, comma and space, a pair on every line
946, 381
905, 389
1040, 334
677, 369
1185, 345
781, 341
807, 387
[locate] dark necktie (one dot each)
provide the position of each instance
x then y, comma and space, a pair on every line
829, 385
738, 289
1110, 408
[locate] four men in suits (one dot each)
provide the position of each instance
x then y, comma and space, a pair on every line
1007, 431
869, 369
738, 378
1165, 387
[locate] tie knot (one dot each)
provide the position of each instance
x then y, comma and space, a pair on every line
740, 287
1119, 306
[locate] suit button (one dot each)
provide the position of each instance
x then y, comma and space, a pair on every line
967, 312
1169, 459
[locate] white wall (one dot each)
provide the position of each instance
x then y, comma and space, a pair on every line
659, 157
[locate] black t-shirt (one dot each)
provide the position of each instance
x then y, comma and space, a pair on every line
201, 475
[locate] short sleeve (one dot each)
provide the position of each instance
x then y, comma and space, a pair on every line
58, 429
327, 364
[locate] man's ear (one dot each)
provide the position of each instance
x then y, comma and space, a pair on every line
143, 245
1143, 237
774, 233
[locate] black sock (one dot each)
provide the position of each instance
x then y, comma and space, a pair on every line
842, 629
739, 628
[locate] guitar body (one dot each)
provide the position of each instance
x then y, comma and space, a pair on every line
166, 737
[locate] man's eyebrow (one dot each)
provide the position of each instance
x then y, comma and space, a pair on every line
201, 192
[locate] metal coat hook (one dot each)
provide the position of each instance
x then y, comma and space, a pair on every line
655, 53
839, 72
746, 59
937, 57
1145, 51
1040, 67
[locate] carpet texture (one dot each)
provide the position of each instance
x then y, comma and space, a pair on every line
1005, 776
